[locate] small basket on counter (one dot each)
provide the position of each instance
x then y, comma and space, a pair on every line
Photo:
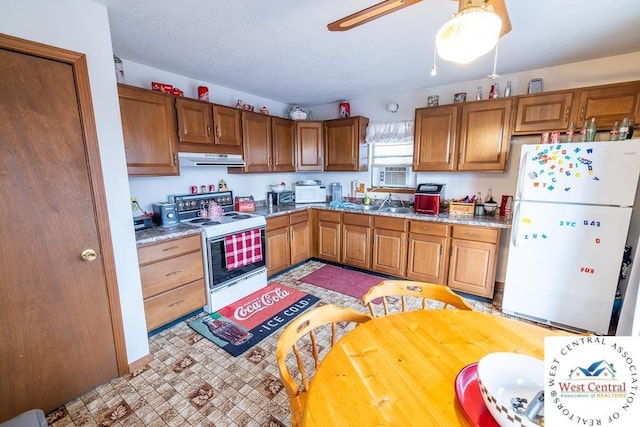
462, 209
244, 204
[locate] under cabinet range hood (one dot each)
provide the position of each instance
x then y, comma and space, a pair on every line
207, 159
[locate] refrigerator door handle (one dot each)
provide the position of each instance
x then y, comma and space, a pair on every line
521, 172
514, 224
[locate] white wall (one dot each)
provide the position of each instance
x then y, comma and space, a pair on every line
82, 26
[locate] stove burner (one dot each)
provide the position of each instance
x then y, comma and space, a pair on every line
241, 216
232, 214
199, 220
211, 223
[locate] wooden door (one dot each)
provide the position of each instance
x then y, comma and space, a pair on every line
300, 237
282, 139
427, 258
608, 104
341, 145
61, 329
329, 241
472, 267
195, 122
435, 138
256, 135
277, 244
543, 112
356, 240
309, 145
149, 130
485, 135
227, 130
389, 252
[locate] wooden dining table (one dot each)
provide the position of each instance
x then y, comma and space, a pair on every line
400, 369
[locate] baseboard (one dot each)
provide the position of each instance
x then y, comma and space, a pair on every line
140, 363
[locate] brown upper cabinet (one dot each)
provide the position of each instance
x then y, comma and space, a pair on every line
308, 146
344, 144
149, 131
473, 136
556, 110
208, 128
268, 144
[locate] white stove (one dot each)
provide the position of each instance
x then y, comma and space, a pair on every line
225, 284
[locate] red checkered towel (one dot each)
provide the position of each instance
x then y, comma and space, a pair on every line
243, 248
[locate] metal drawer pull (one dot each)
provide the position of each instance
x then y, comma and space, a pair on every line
176, 303
173, 273
170, 248
472, 234
426, 228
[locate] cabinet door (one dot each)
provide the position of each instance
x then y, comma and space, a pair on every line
278, 250
427, 258
309, 145
256, 135
329, 241
435, 138
149, 130
485, 132
282, 138
356, 246
608, 104
300, 238
389, 252
472, 267
227, 130
345, 148
195, 122
543, 112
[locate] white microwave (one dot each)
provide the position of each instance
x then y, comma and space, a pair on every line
310, 193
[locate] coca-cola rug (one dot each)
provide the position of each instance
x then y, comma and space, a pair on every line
241, 325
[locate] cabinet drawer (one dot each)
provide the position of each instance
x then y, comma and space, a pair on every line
390, 223
480, 234
171, 305
163, 276
356, 219
277, 222
431, 228
169, 248
328, 216
298, 217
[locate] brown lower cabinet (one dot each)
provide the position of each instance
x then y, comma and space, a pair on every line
389, 245
356, 240
428, 251
329, 233
288, 241
172, 274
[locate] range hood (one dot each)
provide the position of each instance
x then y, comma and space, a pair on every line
206, 159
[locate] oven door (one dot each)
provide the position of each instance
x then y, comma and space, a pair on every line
219, 275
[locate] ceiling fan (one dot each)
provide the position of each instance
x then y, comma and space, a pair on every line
369, 14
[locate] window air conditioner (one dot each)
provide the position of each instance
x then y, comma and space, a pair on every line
394, 176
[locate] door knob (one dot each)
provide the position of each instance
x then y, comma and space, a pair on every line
89, 255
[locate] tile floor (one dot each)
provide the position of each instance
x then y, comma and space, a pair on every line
193, 382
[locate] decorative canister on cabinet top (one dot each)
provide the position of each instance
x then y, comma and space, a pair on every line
344, 110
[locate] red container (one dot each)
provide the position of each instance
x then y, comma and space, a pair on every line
506, 204
344, 110
162, 87
203, 93
194, 189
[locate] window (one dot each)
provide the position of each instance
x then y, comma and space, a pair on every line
391, 154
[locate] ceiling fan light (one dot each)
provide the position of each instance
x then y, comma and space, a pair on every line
469, 34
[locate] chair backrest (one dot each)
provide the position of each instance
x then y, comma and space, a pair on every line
422, 290
306, 324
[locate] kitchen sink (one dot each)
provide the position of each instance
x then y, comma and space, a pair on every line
396, 210
370, 207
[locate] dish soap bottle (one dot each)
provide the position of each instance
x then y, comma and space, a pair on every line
367, 199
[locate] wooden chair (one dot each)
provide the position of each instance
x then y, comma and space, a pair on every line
308, 323
404, 288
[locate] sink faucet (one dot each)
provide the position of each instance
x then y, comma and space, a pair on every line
386, 201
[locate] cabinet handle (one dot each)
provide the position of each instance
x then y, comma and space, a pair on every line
353, 162
269, 160
208, 130
566, 114
472, 234
449, 157
460, 158
582, 113
173, 273
426, 228
176, 303
170, 248
218, 133
175, 159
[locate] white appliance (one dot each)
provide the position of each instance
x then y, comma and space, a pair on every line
310, 193
573, 204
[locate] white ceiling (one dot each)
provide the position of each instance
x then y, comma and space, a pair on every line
282, 50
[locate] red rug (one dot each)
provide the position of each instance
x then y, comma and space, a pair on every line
348, 282
241, 325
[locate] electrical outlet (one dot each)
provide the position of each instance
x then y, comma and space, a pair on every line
134, 204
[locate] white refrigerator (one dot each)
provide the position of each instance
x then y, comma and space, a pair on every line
571, 216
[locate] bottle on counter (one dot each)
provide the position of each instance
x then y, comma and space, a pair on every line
496, 91
479, 93
367, 199
270, 201
623, 131
570, 132
591, 130
613, 133
492, 92
630, 133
